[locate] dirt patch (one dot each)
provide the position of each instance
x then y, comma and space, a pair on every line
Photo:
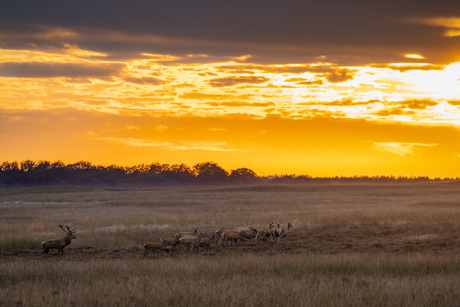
383, 239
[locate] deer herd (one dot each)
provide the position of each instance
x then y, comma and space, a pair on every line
191, 241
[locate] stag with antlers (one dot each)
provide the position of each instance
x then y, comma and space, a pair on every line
59, 244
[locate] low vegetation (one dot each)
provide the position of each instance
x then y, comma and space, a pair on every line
350, 244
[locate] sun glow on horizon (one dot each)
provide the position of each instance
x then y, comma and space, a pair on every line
203, 108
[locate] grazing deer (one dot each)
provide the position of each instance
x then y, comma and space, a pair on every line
59, 244
156, 247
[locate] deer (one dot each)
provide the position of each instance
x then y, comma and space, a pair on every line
229, 236
265, 234
204, 241
156, 247
218, 233
59, 244
173, 242
283, 232
185, 233
275, 230
188, 241
249, 234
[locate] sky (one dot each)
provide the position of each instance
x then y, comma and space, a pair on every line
319, 88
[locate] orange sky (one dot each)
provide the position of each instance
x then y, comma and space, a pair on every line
66, 97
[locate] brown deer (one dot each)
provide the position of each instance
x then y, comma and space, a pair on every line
283, 232
266, 233
59, 244
156, 247
275, 228
249, 234
205, 241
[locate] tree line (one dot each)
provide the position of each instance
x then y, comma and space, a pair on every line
35, 173
41, 173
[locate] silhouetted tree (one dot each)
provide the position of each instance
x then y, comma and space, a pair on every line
27, 165
182, 169
9, 166
243, 174
58, 164
43, 165
155, 168
209, 172
179, 173
81, 165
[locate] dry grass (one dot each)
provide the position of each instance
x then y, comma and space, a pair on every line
243, 280
381, 245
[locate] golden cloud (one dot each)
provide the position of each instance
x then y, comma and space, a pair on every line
144, 80
400, 149
173, 146
340, 75
452, 24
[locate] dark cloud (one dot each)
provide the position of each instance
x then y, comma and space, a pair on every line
52, 70
267, 29
311, 83
232, 81
413, 66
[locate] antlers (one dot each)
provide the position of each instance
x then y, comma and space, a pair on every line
69, 231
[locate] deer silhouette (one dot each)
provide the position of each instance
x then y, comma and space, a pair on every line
61, 243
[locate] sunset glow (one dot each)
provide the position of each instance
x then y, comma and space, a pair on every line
74, 92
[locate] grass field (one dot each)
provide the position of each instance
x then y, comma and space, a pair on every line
352, 245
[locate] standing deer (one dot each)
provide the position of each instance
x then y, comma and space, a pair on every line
249, 234
275, 230
283, 232
205, 241
59, 244
229, 236
266, 233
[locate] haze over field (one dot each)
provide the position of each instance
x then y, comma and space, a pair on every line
320, 88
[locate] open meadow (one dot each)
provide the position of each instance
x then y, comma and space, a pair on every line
351, 245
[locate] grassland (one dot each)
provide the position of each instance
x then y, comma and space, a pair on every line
355, 245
